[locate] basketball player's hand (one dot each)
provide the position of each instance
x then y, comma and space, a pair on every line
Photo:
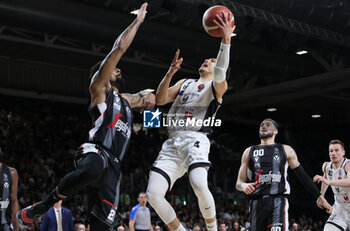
319, 179
147, 102
142, 12
176, 63
322, 203
223, 21
248, 188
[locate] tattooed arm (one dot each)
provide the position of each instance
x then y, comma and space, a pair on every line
142, 99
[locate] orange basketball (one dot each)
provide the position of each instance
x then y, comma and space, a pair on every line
209, 26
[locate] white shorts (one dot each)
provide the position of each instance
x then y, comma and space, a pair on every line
180, 153
340, 216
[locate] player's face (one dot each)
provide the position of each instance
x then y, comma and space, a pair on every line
336, 153
142, 199
208, 66
267, 129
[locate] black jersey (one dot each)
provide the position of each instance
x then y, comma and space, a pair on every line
5, 193
271, 162
112, 124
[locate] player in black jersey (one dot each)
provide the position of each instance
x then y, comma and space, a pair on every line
98, 160
8, 196
265, 165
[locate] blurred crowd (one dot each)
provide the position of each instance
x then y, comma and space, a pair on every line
40, 141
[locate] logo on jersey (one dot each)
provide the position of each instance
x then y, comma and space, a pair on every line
201, 87
270, 178
120, 125
6, 185
196, 144
188, 115
151, 118
4, 204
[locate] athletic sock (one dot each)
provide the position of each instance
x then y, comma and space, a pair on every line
212, 226
180, 228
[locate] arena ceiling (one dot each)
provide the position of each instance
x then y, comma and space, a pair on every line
56, 41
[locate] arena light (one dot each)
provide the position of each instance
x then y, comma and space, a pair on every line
272, 109
315, 116
149, 90
301, 52
233, 35
135, 12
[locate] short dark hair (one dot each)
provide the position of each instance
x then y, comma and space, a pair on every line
336, 141
272, 121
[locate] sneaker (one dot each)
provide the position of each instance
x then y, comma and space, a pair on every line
27, 215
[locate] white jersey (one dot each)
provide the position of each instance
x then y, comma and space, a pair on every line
341, 194
195, 105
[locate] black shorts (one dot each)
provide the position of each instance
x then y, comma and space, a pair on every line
269, 213
103, 195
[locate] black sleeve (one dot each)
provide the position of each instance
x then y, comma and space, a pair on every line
306, 180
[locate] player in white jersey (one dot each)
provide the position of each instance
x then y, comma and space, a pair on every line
187, 149
336, 174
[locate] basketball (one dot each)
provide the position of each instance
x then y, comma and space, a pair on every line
208, 24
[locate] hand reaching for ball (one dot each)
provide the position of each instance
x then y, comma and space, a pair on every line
224, 21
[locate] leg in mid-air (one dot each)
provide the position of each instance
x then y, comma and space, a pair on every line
158, 186
89, 172
198, 179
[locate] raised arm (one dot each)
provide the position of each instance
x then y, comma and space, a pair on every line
100, 82
15, 205
166, 94
241, 184
223, 58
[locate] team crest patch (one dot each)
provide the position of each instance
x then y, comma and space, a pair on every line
201, 87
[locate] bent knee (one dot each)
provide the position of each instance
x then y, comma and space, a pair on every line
153, 195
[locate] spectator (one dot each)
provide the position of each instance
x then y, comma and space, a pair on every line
58, 219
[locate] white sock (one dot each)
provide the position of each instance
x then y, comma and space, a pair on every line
212, 226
